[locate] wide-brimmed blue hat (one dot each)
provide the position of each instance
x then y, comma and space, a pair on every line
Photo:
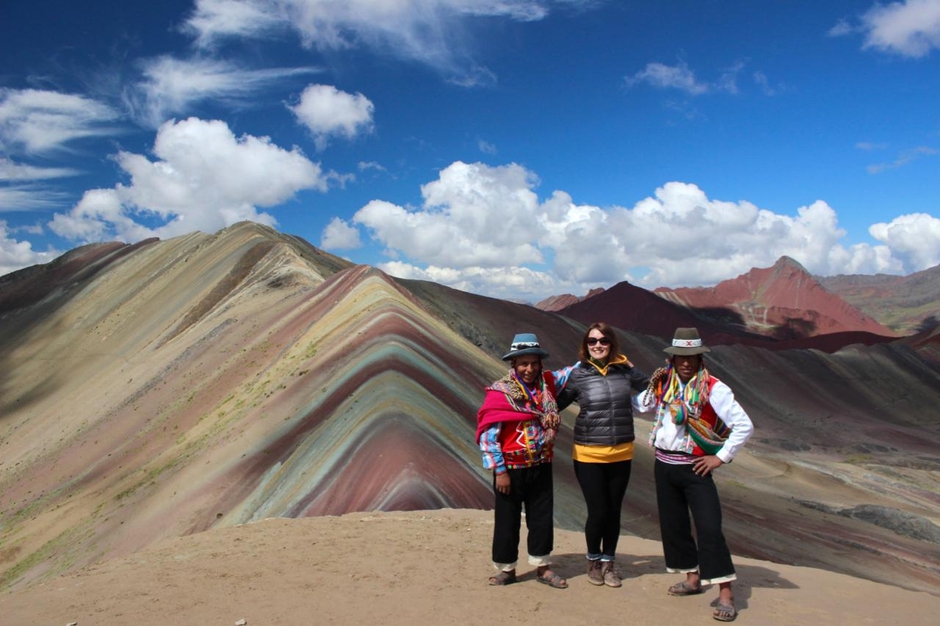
522, 344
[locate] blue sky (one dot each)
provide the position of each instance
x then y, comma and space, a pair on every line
517, 149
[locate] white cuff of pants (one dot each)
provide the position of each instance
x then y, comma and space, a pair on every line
720, 579
540, 561
504, 567
704, 581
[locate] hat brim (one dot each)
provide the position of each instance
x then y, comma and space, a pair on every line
525, 351
685, 351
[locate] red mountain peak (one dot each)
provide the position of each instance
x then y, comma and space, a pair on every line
783, 301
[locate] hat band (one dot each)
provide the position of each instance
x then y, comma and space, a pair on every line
524, 344
686, 343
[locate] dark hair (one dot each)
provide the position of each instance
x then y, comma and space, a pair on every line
605, 330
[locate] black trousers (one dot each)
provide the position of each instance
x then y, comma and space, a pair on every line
532, 488
678, 490
604, 486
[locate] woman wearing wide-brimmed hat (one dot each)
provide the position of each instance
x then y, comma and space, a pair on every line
603, 384
698, 427
516, 428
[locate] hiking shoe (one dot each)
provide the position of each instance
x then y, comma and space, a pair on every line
609, 575
595, 575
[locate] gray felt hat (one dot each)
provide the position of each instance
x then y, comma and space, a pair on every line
686, 342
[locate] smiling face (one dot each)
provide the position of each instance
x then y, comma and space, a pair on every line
687, 366
598, 345
527, 368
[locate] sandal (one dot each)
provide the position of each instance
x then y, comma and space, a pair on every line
503, 578
550, 578
725, 612
684, 589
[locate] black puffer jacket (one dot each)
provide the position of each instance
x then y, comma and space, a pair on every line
606, 415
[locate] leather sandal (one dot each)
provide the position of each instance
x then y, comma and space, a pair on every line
550, 578
503, 578
725, 612
684, 589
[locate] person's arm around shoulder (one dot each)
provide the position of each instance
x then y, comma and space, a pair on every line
646, 401
566, 389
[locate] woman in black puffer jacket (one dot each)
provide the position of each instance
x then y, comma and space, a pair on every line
602, 385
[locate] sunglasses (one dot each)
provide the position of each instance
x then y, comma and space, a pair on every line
604, 341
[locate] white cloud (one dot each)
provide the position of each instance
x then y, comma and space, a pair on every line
28, 198
870, 145
204, 178
172, 86
21, 195
99, 215
842, 27
728, 81
217, 19
10, 171
15, 255
486, 147
327, 111
37, 122
472, 215
509, 283
484, 229
428, 31
682, 78
669, 77
764, 83
914, 238
686, 238
370, 165
910, 28
905, 157
340, 235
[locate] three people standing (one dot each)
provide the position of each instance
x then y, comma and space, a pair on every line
698, 427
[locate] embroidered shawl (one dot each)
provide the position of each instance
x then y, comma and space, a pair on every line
509, 400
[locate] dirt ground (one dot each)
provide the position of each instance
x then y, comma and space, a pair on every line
421, 568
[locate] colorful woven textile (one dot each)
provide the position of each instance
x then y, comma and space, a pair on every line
686, 403
517, 402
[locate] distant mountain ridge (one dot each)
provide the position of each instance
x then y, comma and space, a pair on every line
557, 303
780, 307
784, 302
906, 304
